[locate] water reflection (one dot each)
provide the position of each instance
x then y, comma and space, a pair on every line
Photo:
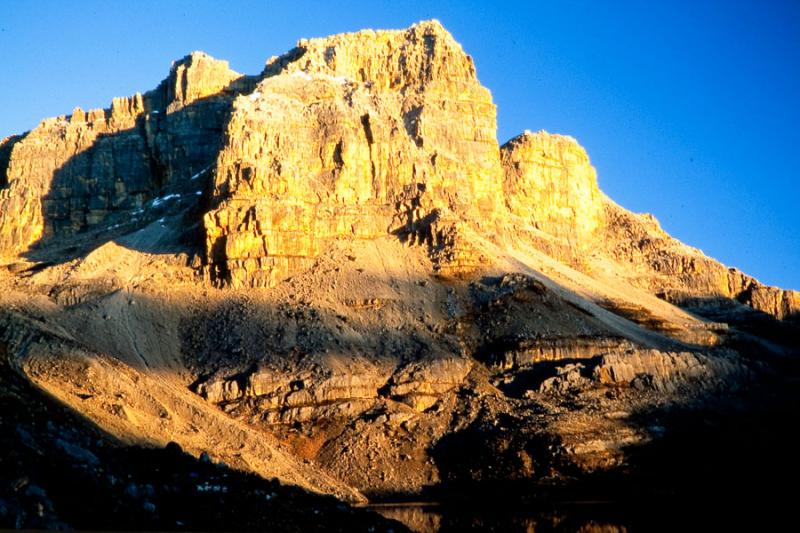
435, 518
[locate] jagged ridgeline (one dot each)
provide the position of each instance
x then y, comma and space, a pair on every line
332, 274
352, 136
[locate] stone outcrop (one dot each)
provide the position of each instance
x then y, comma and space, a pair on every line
533, 351
663, 370
653, 260
550, 183
290, 397
420, 384
354, 136
70, 173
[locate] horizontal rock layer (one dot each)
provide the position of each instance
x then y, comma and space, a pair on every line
353, 136
281, 398
70, 173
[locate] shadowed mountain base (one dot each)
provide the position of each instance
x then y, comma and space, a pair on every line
331, 276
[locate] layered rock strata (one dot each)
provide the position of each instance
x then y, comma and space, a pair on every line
551, 185
70, 173
284, 398
650, 258
441, 310
353, 136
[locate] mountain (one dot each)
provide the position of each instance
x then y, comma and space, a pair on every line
331, 274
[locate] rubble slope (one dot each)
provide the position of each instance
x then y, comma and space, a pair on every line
331, 273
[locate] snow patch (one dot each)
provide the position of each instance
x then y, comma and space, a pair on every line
341, 80
159, 201
255, 96
201, 172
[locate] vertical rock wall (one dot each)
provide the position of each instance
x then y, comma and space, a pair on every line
551, 184
70, 172
355, 135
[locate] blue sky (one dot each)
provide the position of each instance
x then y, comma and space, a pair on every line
689, 110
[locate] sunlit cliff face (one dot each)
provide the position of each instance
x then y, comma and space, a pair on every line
332, 274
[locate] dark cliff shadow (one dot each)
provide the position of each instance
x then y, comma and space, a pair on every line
726, 461
750, 330
157, 172
58, 470
720, 457
6, 145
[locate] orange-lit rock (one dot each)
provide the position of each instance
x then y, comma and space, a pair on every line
70, 172
352, 136
551, 184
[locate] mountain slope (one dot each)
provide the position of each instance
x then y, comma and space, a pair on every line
332, 274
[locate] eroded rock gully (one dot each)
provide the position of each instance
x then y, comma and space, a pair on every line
330, 273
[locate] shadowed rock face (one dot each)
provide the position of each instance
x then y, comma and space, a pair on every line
353, 136
330, 273
70, 173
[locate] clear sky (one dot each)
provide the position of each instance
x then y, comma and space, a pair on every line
689, 110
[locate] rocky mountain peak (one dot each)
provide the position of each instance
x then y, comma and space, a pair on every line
403, 137
388, 59
196, 76
356, 135
551, 184
331, 274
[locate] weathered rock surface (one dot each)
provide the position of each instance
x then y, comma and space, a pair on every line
649, 258
662, 369
284, 398
421, 309
353, 136
62, 472
71, 173
550, 183
137, 408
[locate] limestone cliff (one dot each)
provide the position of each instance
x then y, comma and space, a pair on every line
71, 172
332, 274
649, 258
552, 187
353, 136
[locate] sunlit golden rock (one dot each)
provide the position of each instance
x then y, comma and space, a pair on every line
353, 136
341, 140
70, 172
551, 184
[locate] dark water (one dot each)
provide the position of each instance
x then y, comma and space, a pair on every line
703, 514
430, 517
